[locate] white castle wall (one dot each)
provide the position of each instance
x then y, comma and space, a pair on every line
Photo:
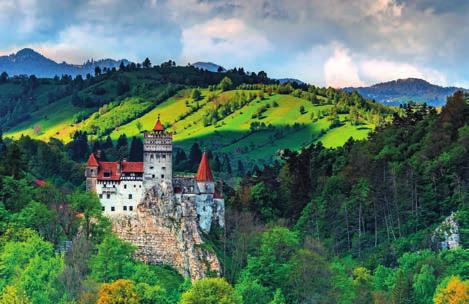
119, 195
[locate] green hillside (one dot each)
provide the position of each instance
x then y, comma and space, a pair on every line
252, 122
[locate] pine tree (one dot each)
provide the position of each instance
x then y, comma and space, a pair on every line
226, 164
241, 170
14, 161
146, 63
122, 141
136, 150
195, 155
180, 156
108, 143
216, 164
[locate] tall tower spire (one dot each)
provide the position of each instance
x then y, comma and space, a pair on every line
158, 125
204, 173
157, 156
91, 173
204, 177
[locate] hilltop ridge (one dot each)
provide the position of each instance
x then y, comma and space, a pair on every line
401, 91
29, 62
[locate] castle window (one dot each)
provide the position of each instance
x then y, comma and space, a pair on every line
100, 196
162, 175
125, 208
151, 167
113, 208
151, 156
131, 208
164, 168
125, 186
130, 196
164, 155
108, 196
135, 186
102, 208
153, 176
107, 174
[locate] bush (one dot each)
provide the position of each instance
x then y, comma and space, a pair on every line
211, 291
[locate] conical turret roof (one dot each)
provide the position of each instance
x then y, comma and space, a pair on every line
92, 162
204, 173
158, 125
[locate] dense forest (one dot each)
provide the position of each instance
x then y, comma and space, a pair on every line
360, 223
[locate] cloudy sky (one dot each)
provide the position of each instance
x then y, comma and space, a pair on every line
334, 42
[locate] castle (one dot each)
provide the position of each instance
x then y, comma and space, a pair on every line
122, 186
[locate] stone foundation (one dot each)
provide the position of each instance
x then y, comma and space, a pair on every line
165, 231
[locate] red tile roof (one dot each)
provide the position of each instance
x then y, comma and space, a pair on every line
109, 170
204, 174
158, 126
92, 162
135, 167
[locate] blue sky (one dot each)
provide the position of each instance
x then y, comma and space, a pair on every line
334, 42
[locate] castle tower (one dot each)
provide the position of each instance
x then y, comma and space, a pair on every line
91, 173
157, 156
204, 177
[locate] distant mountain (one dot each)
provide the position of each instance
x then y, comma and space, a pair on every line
291, 80
29, 62
404, 90
209, 66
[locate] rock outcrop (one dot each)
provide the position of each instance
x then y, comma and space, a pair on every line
165, 230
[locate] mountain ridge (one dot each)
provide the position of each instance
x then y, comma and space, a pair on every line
209, 66
401, 91
27, 61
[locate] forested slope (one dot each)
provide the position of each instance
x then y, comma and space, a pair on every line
249, 117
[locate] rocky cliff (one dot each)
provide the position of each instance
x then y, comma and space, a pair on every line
165, 231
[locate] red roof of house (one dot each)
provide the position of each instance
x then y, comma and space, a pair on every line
109, 170
135, 167
158, 126
92, 162
204, 173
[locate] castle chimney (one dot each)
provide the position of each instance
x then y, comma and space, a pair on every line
98, 154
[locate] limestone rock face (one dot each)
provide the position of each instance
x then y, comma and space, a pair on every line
165, 231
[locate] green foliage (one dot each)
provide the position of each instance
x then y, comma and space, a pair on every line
118, 292
113, 260
210, 291
278, 298
253, 292
225, 84
31, 267
196, 94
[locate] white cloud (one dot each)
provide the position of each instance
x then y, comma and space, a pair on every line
376, 70
337, 66
76, 44
227, 42
340, 70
